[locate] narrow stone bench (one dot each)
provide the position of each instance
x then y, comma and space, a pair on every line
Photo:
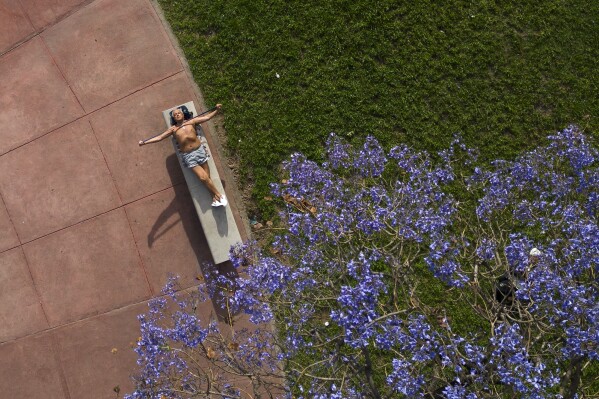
217, 223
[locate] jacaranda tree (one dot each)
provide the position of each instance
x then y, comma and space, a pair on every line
401, 274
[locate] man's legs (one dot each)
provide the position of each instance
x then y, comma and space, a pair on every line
203, 173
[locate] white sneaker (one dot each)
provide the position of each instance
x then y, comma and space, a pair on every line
223, 201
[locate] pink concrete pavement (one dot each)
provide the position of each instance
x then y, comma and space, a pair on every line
90, 224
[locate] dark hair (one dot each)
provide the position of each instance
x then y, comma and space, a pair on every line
187, 114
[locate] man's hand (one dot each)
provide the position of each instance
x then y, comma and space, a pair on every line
218, 107
141, 142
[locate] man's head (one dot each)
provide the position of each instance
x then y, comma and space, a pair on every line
177, 115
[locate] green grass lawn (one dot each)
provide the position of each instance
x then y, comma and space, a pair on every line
504, 74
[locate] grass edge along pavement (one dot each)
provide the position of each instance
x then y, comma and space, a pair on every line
504, 75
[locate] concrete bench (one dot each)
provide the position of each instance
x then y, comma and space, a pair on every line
217, 223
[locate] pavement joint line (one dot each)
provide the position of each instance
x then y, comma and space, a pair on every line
61, 72
67, 14
10, 249
19, 44
23, 10
143, 268
98, 315
84, 220
98, 215
90, 113
59, 365
155, 192
73, 225
37, 292
134, 92
24, 40
141, 261
38, 31
20, 246
91, 125
14, 227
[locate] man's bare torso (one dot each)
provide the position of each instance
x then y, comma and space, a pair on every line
186, 137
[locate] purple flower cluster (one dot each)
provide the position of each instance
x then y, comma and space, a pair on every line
515, 366
181, 356
358, 304
346, 286
547, 199
402, 379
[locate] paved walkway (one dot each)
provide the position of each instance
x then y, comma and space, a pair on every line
90, 224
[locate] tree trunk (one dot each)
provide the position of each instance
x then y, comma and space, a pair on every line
572, 378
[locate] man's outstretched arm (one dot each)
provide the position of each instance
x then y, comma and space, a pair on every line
207, 117
158, 138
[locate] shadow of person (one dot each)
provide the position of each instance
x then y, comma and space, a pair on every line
182, 206
158, 230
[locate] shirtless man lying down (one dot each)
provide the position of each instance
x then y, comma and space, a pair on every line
192, 152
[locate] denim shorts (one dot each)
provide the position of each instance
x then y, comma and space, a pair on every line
196, 157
